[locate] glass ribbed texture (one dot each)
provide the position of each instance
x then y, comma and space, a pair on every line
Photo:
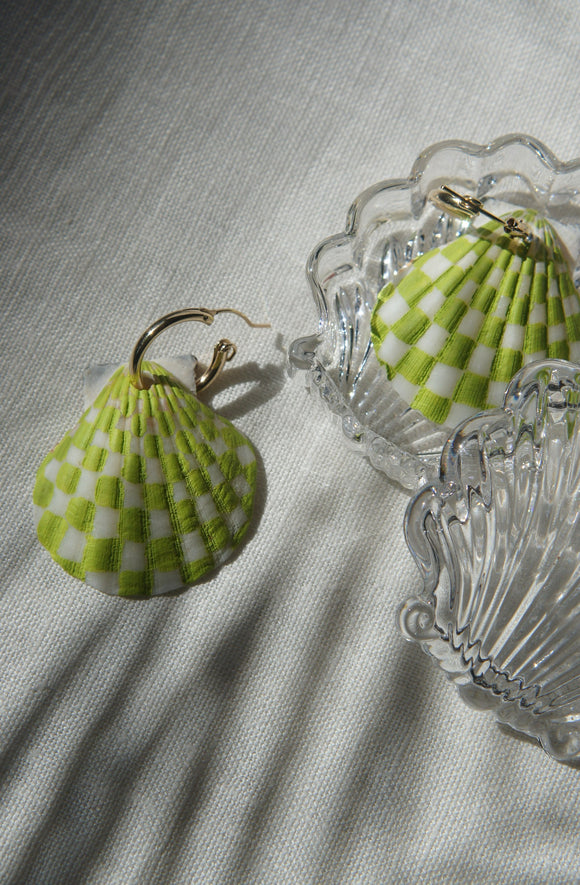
497, 539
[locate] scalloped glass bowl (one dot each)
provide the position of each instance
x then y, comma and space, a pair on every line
388, 226
497, 540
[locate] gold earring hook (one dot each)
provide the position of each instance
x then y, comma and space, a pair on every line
465, 206
223, 352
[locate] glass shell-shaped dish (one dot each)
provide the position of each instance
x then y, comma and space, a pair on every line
497, 540
388, 226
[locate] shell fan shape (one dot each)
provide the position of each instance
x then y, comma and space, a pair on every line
148, 492
468, 315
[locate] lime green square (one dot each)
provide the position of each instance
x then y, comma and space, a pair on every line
232, 437
95, 458
413, 286
536, 338
237, 536
250, 472
185, 442
51, 530
451, 313
120, 441
165, 424
434, 407
163, 554
225, 498
152, 446
508, 284
80, 513
573, 327
505, 364
229, 464
186, 516
134, 584
134, 468
197, 483
83, 435
205, 455
538, 288
456, 249
67, 478
102, 555
411, 326
558, 350
185, 419
133, 524
492, 331
472, 390
138, 424
457, 351
483, 298
155, 494
192, 571
107, 419
109, 492
43, 489
215, 534
60, 450
208, 429
518, 312
479, 271
174, 467
555, 311
416, 365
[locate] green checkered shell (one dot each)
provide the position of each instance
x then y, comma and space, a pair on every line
148, 492
467, 315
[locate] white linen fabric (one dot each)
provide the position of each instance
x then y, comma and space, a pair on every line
268, 725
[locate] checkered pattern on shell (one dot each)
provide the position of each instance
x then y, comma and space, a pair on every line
468, 315
149, 492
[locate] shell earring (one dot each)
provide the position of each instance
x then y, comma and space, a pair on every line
152, 489
468, 315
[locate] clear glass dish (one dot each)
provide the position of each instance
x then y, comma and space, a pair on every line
497, 540
388, 226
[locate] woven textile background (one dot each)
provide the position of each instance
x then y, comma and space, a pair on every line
268, 725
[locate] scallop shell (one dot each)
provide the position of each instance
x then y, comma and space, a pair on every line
497, 540
148, 492
468, 315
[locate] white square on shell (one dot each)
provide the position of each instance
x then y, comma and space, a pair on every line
193, 546
72, 545
106, 523
393, 309
471, 323
481, 360
160, 524
133, 557
431, 303
513, 336
392, 349
467, 291
436, 266
133, 494
433, 340
443, 379
537, 314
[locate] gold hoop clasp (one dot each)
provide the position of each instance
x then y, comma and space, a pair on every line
464, 206
223, 351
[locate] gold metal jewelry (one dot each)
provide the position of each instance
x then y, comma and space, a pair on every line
465, 206
223, 352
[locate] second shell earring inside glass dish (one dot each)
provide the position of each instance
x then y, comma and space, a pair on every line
453, 330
